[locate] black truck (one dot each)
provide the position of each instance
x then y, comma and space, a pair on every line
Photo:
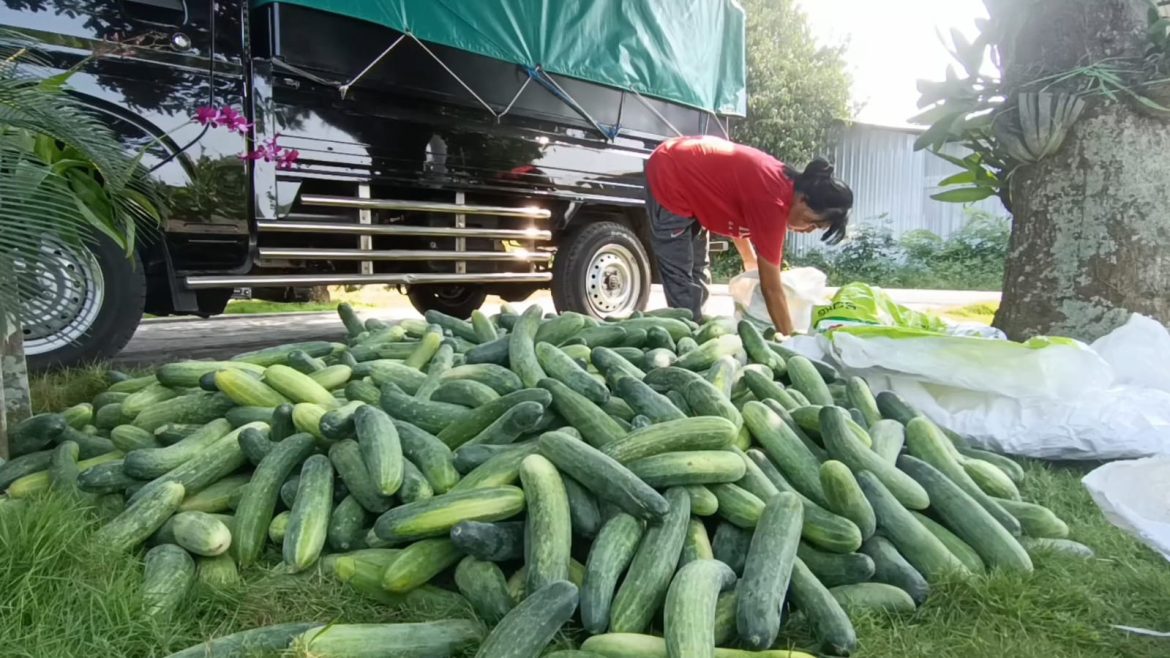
452, 148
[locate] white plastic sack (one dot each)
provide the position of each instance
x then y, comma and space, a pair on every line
1049, 398
1138, 352
804, 288
1134, 497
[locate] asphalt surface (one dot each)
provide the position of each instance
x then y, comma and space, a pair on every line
172, 339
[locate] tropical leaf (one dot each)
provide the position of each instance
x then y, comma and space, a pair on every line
965, 195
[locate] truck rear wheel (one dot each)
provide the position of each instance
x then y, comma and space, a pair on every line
458, 301
88, 304
601, 269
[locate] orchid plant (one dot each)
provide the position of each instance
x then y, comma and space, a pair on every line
231, 119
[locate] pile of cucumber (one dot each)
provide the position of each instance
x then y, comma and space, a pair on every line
661, 487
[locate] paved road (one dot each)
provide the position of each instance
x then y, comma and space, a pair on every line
172, 339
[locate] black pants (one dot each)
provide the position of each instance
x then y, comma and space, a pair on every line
681, 251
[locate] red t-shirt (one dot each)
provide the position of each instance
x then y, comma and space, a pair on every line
732, 190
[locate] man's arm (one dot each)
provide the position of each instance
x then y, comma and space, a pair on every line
746, 253
774, 297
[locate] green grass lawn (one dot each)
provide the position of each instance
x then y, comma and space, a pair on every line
60, 595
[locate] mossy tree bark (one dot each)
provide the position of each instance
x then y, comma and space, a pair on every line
1091, 237
15, 400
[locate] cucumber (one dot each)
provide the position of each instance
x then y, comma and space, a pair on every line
337, 423
246, 390
731, 545
757, 349
644, 588
690, 467
503, 468
529, 627
710, 351
216, 497
861, 398
960, 548
673, 378
845, 498
470, 423
595, 425
24, 465
128, 438
548, 533
380, 448
522, 348
495, 351
388, 371
557, 329
414, 485
434, 517
785, 415
347, 461
1036, 520
689, 612
563, 368
514, 422
148, 396
891, 568
153, 462
198, 408
240, 416
484, 330
1063, 547
805, 378
258, 502
105, 418
498, 378
658, 358
612, 365
484, 586
767, 570
634, 645
426, 348
105, 478
834, 569
646, 401
457, 326
308, 522
822, 528
697, 545
435, 638
926, 442
201, 533
167, 576
186, 374
797, 463
1005, 464
844, 446
491, 542
764, 388
217, 573
347, 525
123, 383
256, 641
464, 392
830, 624
705, 400
921, 548
609, 556
991, 480
888, 437
604, 476
893, 408
104, 400
418, 563
432, 457
702, 433
469, 457
703, 502
738, 505
584, 514
154, 504
878, 597
426, 414
603, 336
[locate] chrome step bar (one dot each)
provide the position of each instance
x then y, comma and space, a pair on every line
403, 255
325, 201
302, 280
539, 235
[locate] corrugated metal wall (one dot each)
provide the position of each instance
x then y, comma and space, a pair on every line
889, 178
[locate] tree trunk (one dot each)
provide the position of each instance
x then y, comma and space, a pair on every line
15, 400
1092, 222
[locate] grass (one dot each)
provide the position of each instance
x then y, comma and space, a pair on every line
254, 306
60, 595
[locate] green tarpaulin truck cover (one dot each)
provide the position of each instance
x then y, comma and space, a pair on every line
685, 51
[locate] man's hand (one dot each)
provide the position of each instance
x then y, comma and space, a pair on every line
774, 297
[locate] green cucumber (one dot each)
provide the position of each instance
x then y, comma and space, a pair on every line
757, 349
153, 462
612, 365
128, 438
1035, 520
457, 326
710, 351
426, 414
765, 388
604, 476
584, 513
470, 423
960, 548
494, 351
431, 456
216, 497
484, 330
419, 563
689, 467
697, 545
308, 522
822, 528
689, 610
217, 573
516, 421
991, 479
891, 568
522, 348
142, 517
436, 516
658, 358
706, 400
845, 498
646, 401
383, 371
548, 533
198, 408
503, 468
148, 396
436, 638
921, 548
888, 437
258, 502
167, 576
105, 478
828, 620
529, 627
798, 464
595, 425
767, 570
336, 423
844, 446
380, 447
563, 368
861, 398
603, 336
201, 533
644, 588
731, 545
834, 569
484, 586
255, 641
703, 502
498, 378
738, 505
806, 379
347, 460
1005, 464
880, 597
492, 542
609, 556
464, 392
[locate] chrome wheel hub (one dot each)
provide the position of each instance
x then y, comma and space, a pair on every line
64, 294
613, 281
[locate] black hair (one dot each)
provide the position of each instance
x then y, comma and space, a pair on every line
827, 196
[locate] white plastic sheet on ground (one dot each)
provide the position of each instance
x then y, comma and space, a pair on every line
1049, 398
1135, 497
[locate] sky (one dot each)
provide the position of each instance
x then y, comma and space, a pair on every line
891, 45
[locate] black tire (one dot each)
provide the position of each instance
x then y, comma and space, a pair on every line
582, 280
455, 300
123, 297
